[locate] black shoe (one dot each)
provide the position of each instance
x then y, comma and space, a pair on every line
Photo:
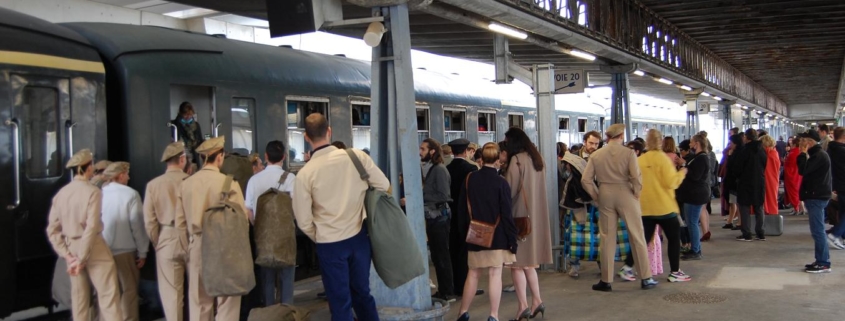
736, 228
807, 266
464, 317
760, 238
444, 297
541, 309
691, 256
602, 286
818, 268
479, 292
728, 226
743, 238
321, 295
648, 284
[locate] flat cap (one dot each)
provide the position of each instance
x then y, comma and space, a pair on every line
615, 130
172, 150
812, 133
101, 165
211, 145
81, 157
460, 142
116, 168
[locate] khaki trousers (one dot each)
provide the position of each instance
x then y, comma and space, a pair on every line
617, 201
171, 261
129, 276
100, 271
200, 304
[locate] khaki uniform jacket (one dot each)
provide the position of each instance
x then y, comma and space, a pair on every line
612, 164
75, 214
160, 205
202, 191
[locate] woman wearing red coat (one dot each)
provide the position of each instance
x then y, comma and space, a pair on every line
791, 179
770, 205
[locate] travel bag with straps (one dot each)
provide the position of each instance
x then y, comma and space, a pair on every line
226, 255
275, 230
396, 257
480, 233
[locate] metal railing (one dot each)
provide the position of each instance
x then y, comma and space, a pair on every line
631, 26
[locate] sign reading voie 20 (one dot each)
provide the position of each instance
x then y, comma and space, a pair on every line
569, 81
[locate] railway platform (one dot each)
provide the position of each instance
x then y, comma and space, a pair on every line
734, 281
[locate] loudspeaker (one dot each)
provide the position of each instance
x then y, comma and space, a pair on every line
291, 17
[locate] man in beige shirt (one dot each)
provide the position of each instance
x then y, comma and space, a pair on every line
329, 207
615, 169
75, 230
198, 193
166, 226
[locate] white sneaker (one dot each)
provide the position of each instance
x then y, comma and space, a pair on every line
574, 271
431, 284
627, 273
835, 242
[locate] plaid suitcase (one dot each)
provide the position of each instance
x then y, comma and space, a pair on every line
582, 240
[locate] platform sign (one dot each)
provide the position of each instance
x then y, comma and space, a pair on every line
569, 81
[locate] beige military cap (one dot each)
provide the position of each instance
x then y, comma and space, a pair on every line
102, 165
211, 145
81, 158
172, 150
116, 168
615, 130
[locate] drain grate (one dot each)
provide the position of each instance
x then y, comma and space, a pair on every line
694, 298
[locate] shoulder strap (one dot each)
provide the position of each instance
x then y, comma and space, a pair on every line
282, 179
227, 186
357, 162
427, 174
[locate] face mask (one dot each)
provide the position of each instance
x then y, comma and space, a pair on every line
187, 121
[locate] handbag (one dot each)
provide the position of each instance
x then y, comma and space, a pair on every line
480, 233
523, 224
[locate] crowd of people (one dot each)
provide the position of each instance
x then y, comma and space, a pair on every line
102, 228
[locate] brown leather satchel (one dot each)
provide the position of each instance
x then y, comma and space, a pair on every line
523, 224
480, 233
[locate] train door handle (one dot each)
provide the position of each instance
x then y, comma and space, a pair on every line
174, 131
16, 155
69, 127
217, 129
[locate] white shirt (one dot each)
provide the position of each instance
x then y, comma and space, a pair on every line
123, 220
265, 180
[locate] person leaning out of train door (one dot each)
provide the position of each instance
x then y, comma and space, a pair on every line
123, 222
99, 179
189, 131
198, 193
167, 229
74, 229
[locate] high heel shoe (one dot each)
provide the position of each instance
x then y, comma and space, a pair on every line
491, 319
525, 315
541, 309
464, 317
706, 237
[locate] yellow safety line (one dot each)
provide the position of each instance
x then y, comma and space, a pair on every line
47, 61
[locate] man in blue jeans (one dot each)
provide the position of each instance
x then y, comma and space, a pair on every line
836, 151
328, 203
815, 191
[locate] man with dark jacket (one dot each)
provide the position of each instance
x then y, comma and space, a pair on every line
458, 169
815, 191
436, 195
836, 151
751, 183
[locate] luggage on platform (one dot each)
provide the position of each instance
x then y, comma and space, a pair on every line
772, 223
275, 231
279, 312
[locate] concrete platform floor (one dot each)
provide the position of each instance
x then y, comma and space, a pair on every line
757, 280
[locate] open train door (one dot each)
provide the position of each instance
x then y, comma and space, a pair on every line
9, 200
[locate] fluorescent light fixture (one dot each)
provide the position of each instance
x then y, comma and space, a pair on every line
759, 112
240, 110
685, 87
743, 107
813, 124
508, 31
639, 73
717, 98
248, 131
582, 55
705, 94
665, 81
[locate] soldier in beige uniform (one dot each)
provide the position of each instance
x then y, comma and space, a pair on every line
99, 168
75, 231
165, 224
197, 194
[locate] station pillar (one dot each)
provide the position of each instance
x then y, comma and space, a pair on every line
395, 138
620, 101
691, 99
728, 111
544, 92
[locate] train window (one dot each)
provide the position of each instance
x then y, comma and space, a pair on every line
486, 127
582, 125
298, 109
516, 120
422, 123
243, 135
455, 124
40, 137
361, 125
563, 130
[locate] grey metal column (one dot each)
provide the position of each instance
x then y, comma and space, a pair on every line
620, 106
544, 88
726, 106
691, 98
501, 57
394, 136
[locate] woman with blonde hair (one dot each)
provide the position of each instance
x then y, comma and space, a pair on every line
770, 203
657, 200
486, 197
